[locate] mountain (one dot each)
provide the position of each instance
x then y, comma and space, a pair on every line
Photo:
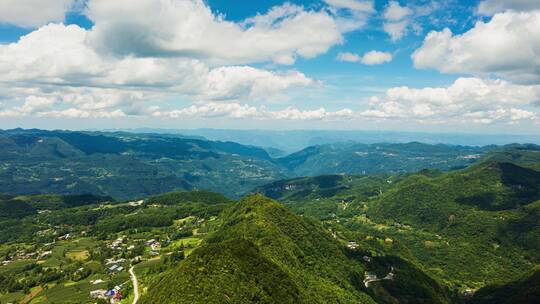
523, 155
125, 165
355, 158
483, 221
264, 253
468, 228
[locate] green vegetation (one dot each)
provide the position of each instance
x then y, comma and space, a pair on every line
439, 235
127, 166
355, 158
523, 291
57, 256
264, 253
467, 229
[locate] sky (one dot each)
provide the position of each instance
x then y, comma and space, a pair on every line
419, 65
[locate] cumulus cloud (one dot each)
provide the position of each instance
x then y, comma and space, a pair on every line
56, 61
369, 58
396, 12
138, 55
33, 13
241, 82
467, 99
491, 7
34, 104
376, 57
506, 46
396, 20
188, 28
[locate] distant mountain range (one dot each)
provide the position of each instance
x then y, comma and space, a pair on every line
128, 165
125, 165
290, 141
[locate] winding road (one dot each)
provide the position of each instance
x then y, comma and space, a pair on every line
135, 285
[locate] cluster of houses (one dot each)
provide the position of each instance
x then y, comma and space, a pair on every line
24, 255
115, 266
114, 295
372, 277
136, 203
155, 246
117, 244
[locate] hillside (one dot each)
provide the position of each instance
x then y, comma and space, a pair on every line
523, 155
264, 253
523, 291
355, 158
124, 165
468, 228
482, 221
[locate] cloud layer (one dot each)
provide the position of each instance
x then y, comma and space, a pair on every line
506, 46
466, 100
176, 59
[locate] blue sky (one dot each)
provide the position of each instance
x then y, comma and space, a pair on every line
331, 64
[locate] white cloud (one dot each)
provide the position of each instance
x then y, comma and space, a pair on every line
511, 116
188, 28
507, 46
491, 7
33, 13
244, 111
243, 82
467, 99
34, 104
78, 113
369, 58
362, 6
397, 19
396, 30
396, 12
139, 56
56, 61
376, 57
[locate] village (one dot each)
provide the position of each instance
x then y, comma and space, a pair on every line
81, 268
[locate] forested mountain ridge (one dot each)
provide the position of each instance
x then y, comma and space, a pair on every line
264, 253
356, 158
127, 165
124, 165
468, 228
